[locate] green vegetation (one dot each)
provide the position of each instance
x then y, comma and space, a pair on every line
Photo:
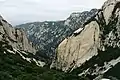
103, 56
13, 67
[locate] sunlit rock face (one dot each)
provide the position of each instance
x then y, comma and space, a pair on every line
15, 37
75, 50
95, 49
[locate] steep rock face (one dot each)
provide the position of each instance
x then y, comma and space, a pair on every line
77, 49
14, 41
47, 35
95, 49
15, 37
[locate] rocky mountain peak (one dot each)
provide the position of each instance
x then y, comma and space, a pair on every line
15, 37
96, 47
109, 9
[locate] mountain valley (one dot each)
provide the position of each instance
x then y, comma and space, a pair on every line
85, 46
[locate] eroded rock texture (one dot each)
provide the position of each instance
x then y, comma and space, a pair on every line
96, 48
15, 37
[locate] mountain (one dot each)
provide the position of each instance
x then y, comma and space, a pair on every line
14, 41
18, 60
20, 65
94, 50
15, 37
47, 35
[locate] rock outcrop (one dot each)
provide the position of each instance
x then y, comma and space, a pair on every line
75, 50
15, 37
96, 48
14, 41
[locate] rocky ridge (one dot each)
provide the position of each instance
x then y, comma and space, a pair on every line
94, 51
15, 37
14, 41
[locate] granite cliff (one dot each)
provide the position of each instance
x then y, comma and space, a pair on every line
93, 51
14, 40
15, 37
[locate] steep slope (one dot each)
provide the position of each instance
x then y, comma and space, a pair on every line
77, 49
15, 37
47, 35
95, 49
14, 40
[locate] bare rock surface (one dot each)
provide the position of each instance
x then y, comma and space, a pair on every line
16, 37
94, 51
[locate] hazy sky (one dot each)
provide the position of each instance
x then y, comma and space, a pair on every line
22, 11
